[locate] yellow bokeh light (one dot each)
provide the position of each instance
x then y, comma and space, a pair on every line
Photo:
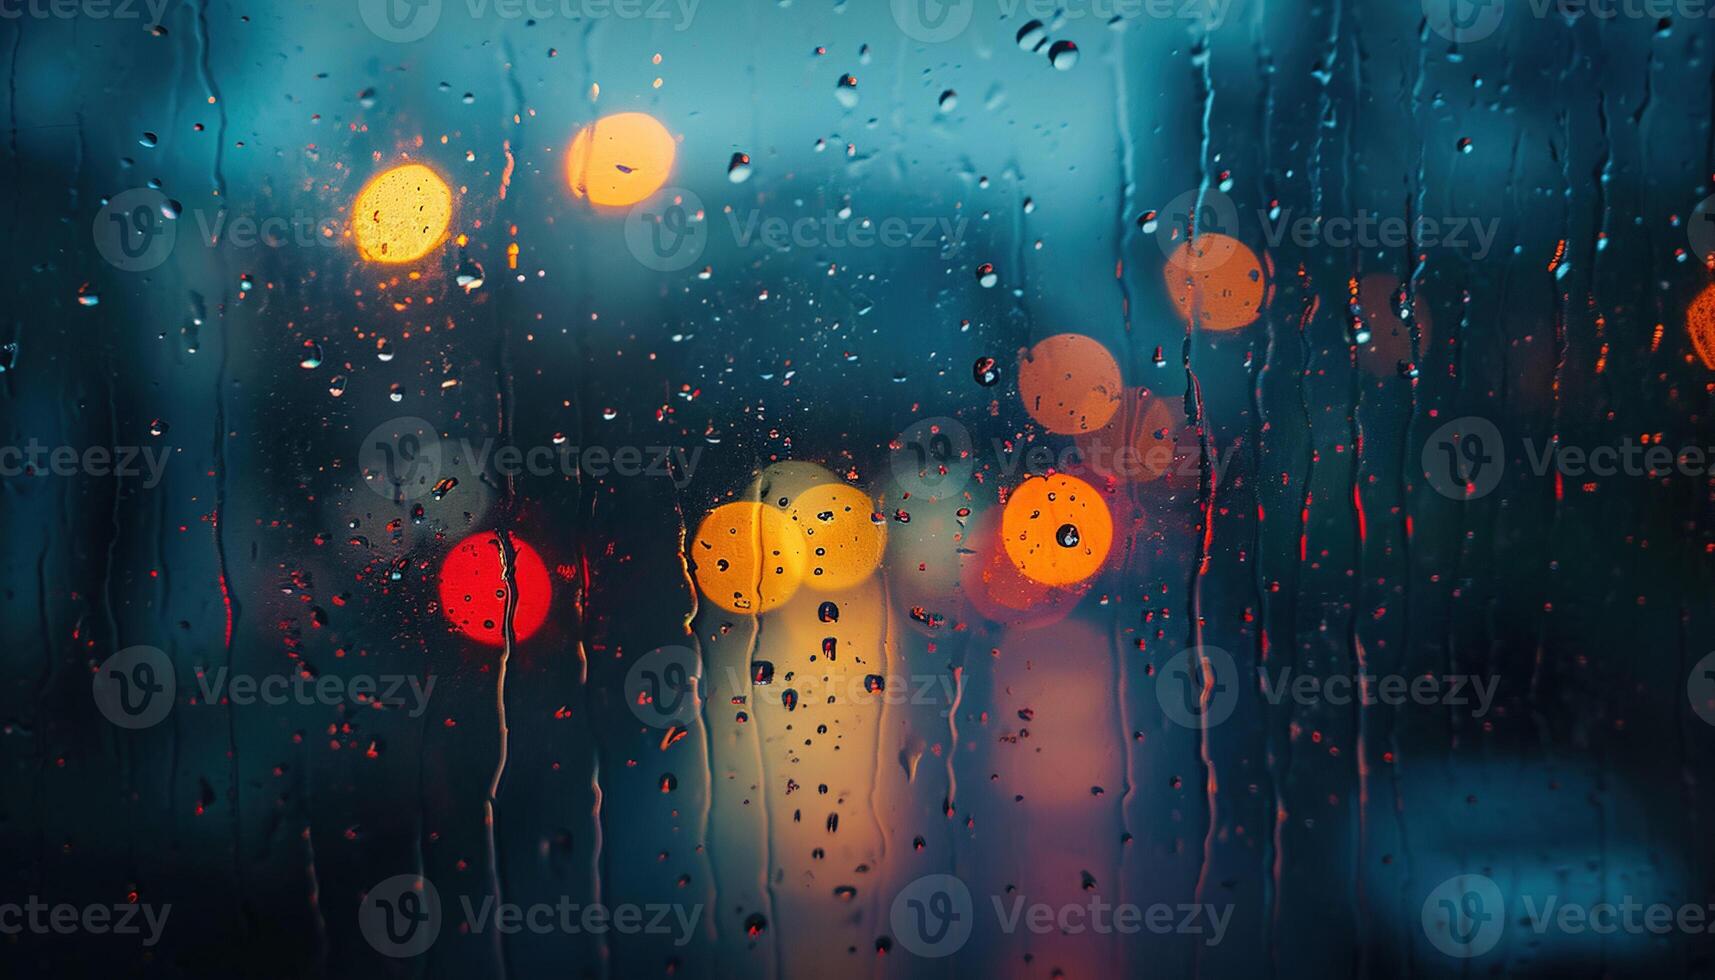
620, 160
845, 544
1069, 383
402, 214
1056, 529
747, 558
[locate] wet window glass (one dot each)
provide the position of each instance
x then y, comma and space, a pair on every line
608, 488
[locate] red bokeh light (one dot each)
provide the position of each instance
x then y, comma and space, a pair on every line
473, 589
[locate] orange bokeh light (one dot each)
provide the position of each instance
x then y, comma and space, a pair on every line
620, 160
1218, 279
1000, 591
1700, 324
1056, 529
473, 589
1069, 383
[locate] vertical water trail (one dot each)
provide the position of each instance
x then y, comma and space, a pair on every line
505, 399
231, 603
598, 853
581, 526
509, 585
1355, 645
203, 44
127, 773
951, 805
1325, 121
598, 815
312, 869
876, 764
772, 928
1603, 171
214, 99
1312, 304
1262, 594
421, 833
1560, 269
706, 745
1407, 525
218, 518
1122, 681
1356, 652
1688, 794
1205, 494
